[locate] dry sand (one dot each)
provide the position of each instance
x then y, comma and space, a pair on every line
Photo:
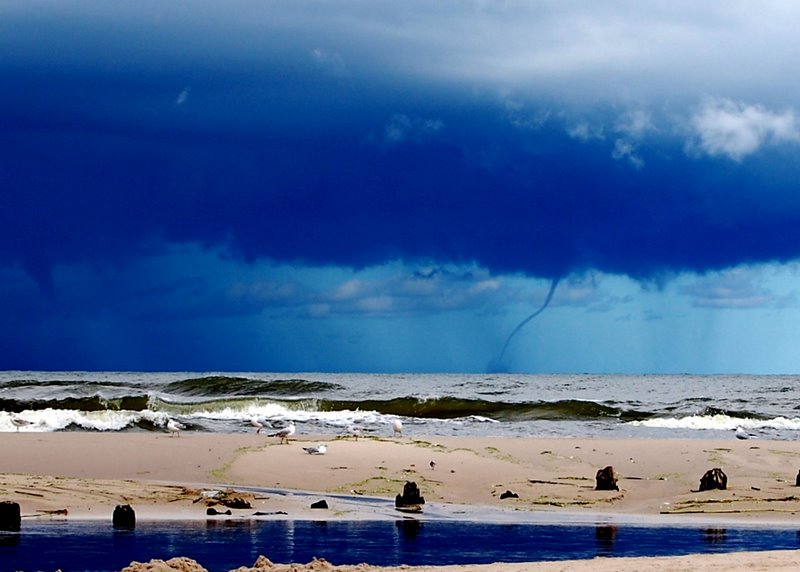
87, 474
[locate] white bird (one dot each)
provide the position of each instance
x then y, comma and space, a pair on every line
174, 428
398, 427
285, 433
320, 449
20, 422
257, 424
355, 431
742, 434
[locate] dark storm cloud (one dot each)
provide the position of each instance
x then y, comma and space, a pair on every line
376, 139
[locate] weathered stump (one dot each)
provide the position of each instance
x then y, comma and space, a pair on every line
10, 516
606, 480
124, 516
236, 502
410, 496
714, 479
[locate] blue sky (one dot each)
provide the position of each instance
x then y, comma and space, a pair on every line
395, 186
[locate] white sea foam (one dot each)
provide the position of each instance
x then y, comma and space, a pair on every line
46, 420
482, 419
719, 422
276, 411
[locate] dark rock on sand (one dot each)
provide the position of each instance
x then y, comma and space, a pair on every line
10, 516
231, 499
236, 502
124, 516
320, 504
211, 511
714, 479
410, 496
509, 495
606, 480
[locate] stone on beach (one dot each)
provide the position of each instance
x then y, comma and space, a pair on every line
606, 480
714, 479
10, 516
410, 497
124, 516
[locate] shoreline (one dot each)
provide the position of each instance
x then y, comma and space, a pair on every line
656, 477
164, 478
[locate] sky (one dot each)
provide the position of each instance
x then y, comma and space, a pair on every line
382, 186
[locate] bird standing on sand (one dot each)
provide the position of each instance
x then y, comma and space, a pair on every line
285, 433
354, 430
398, 427
320, 449
20, 422
174, 428
742, 434
257, 424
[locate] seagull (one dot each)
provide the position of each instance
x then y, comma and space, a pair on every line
20, 422
320, 449
174, 427
398, 427
742, 434
257, 424
354, 430
285, 433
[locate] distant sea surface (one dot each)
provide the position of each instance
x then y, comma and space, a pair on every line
648, 406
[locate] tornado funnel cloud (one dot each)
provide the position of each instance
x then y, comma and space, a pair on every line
498, 364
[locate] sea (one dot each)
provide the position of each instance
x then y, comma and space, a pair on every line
507, 404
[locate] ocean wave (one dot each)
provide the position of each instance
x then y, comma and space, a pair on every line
454, 407
69, 383
138, 402
720, 422
48, 420
218, 385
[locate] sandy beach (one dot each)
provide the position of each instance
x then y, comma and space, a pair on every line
77, 475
